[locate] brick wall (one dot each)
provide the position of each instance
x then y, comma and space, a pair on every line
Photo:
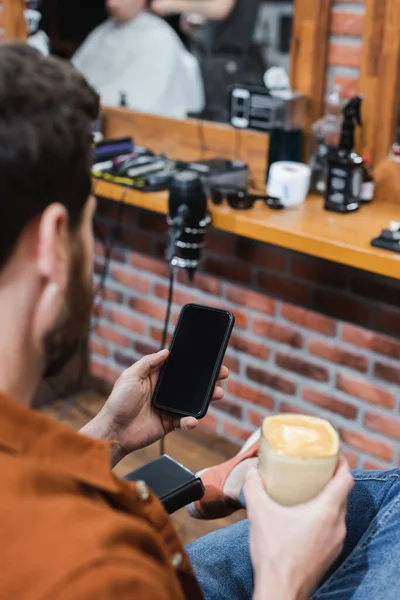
310, 335
345, 44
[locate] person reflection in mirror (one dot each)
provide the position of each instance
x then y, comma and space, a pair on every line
137, 56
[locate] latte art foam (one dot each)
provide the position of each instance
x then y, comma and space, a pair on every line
301, 436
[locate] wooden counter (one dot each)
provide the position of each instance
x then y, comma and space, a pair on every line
309, 229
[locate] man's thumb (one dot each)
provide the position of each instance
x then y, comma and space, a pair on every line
146, 365
254, 491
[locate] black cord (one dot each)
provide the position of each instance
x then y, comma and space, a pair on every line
165, 332
109, 247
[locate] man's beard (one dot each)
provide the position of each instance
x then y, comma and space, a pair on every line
72, 327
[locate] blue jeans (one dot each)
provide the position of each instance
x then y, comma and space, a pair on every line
368, 568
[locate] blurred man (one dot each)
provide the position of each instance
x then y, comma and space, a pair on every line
137, 60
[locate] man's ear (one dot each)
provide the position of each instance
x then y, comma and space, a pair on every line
54, 246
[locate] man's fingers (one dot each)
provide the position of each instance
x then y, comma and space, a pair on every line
223, 374
255, 493
145, 366
341, 484
187, 423
218, 394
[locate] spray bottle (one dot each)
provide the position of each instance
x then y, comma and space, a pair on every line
345, 166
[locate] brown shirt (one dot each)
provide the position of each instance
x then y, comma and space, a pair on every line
70, 530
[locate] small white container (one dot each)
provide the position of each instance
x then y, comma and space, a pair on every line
290, 182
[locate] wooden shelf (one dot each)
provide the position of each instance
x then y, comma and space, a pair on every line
344, 239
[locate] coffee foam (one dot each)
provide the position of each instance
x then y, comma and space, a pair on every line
301, 436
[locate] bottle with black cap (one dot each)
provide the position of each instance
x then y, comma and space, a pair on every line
188, 220
345, 166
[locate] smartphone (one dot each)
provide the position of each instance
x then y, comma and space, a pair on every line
188, 377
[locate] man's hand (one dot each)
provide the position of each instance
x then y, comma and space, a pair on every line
293, 547
215, 10
129, 418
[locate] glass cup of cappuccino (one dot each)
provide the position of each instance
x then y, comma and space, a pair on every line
298, 456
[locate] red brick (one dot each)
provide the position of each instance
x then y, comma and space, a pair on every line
317, 271
201, 282
137, 241
309, 319
388, 321
272, 380
151, 221
375, 342
351, 457
145, 349
378, 291
220, 243
249, 347
344, 55
96, 347
245, 392
364, 338
347, 23
231, 363
388, 426
235, 431
301, 367
130, 280
254, 418
229, 407
230, 270
179, 297
339, 355
111, 295
284, 288
387, 373
261, 255
124, 319
123, 359
209, 422
370, 465
341, 307
148, 308
104, 371
330, 403
250, 299
279, 333
111, 335
150, 265
350, 85
367, 444
157, 334
360, 388
287, 407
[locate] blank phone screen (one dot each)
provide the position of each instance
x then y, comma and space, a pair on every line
186, 379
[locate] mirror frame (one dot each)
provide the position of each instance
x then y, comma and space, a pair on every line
309, 56
13, 20
380, 77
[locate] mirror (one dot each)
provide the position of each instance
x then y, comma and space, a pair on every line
173, 66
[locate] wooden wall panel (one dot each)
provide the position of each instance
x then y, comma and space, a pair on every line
309, 53
191, 139
12, 19
380, 77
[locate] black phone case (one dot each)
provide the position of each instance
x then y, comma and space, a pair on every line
218, 366
174, 485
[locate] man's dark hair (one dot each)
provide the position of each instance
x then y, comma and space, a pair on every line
46, 112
